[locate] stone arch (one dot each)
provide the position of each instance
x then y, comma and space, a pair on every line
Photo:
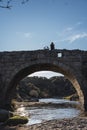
39, 66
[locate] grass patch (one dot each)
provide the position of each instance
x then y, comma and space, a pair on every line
73, 97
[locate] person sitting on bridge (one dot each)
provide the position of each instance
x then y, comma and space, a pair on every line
52, 46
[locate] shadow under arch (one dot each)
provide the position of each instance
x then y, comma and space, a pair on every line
66, 71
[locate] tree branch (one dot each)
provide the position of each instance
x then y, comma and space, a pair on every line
8, 7
7, 4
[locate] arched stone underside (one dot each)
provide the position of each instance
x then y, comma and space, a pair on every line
66, 71
25, 63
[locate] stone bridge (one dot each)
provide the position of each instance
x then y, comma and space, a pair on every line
15, 65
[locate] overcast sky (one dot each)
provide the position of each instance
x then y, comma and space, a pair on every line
37, 23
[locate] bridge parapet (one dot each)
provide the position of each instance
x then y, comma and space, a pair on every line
25, 55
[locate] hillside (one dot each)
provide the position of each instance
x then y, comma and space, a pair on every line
40, 87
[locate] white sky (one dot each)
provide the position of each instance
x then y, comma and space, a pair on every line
47, 74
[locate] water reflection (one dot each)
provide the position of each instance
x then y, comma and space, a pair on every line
40, 114
55, 100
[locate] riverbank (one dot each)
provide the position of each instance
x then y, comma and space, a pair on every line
78, 123
64, 124
41, 104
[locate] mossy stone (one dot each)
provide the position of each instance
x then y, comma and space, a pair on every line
15, 120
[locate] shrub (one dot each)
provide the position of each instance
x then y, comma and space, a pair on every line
33, 93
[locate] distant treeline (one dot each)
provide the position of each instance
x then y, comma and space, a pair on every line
41, 87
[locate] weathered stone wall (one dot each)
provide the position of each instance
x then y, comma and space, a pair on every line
17, 64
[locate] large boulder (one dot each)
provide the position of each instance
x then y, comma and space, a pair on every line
4, 115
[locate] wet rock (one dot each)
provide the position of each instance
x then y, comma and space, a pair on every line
15, 120
4, 115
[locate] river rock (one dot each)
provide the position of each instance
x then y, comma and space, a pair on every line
4, 115
16, 120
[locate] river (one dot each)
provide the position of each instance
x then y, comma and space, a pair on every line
41, 114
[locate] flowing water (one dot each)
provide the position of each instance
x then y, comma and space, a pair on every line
40, 114
55, 100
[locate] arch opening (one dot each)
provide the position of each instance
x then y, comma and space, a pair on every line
41, 67
45, 84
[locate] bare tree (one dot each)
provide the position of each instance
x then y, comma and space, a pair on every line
8, 3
